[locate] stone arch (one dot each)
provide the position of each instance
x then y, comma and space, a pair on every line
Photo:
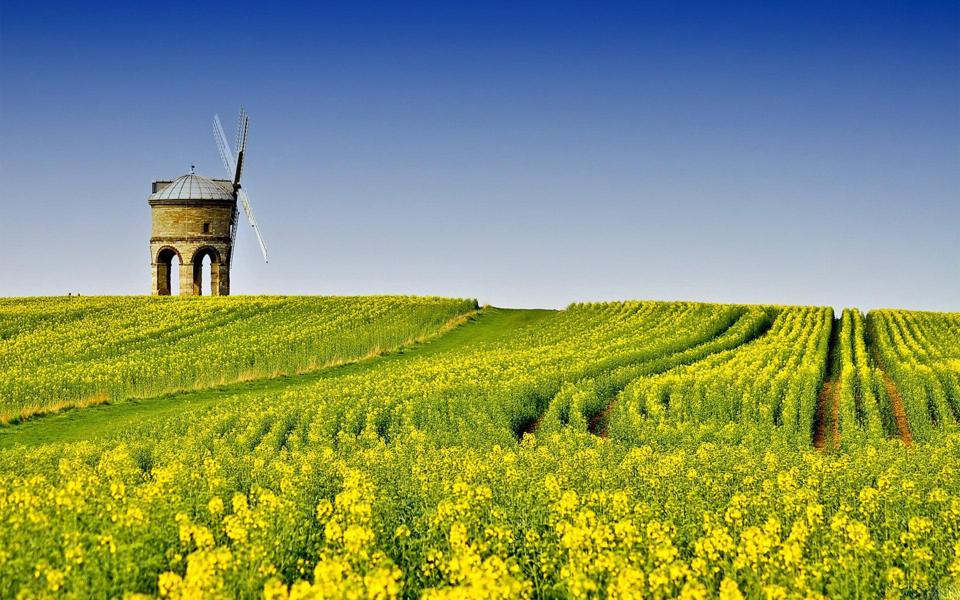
216, 264
163, 265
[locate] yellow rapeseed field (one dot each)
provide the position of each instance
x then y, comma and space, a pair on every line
624, 450
57, 353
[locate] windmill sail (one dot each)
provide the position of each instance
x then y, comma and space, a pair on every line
228, 163
234, 167
245, 202
242, 128
225, 153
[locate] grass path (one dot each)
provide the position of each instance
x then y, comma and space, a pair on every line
105, 419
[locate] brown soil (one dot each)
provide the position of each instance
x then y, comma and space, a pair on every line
896, 400
899, 414
827, 417
826, 426
594, 426
534, 425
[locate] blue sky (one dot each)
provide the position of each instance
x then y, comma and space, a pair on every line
525, 154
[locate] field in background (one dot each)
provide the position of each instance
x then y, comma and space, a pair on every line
58, 353
656, 448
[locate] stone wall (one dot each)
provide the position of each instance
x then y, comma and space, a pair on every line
192, 229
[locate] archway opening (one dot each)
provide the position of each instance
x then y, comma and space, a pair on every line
205, 266
168, 272
206, 270
175, 275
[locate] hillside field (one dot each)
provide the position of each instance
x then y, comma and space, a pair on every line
382, 447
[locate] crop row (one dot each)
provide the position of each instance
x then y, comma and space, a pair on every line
921, 353
900, 374
771, 381
58, 352
495, 390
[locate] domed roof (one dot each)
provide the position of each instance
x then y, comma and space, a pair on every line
192, 187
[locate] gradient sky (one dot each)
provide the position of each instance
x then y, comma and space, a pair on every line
524, 154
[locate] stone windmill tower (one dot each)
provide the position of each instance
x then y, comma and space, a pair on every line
195, 218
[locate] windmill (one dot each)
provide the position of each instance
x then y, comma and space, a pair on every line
234, 167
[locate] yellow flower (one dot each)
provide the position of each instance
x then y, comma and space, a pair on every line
693, 590
383, 583
869, 498
356, 538
792, 554
895, 578
74, 554
324, 510
814, 514
168, 583
919, 525
202, 537
215, 506
275, 590
729, 590
628, 584
458, 535
774, 592
332, 531
235, 528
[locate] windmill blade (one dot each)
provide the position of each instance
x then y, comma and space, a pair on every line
234, 168
225, 153
243, 123
245, 202
242, 128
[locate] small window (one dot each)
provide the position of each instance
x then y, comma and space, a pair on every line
206, 227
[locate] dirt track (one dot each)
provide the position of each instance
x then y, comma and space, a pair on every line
899, 414
827, 416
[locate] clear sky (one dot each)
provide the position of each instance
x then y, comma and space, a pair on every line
524, 154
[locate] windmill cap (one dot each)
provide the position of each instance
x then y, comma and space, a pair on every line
193, 187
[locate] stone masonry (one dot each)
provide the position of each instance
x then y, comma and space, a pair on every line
191, 229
